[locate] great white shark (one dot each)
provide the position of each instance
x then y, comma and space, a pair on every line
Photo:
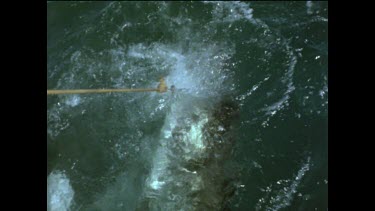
188, 171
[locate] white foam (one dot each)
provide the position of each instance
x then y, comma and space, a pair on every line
160, 163
284, 196
288, 80
319, 19
199, 71
242, 97
192, 138
75, 56
231, 11
309, 5
195, 135
59, 192
73, 100
55, 122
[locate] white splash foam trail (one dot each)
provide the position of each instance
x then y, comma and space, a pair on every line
235, 11
55, 122
242, 97
284, 196
73, 100
284, 199
192, 139
225, 11
288, 80
309, 7
201, 73
59, 192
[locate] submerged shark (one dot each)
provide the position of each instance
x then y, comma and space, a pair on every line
188, 168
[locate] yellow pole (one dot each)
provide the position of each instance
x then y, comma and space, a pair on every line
162, 87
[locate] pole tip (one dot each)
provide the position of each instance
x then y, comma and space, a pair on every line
162, 87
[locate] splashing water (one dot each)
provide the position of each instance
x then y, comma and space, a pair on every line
262, 64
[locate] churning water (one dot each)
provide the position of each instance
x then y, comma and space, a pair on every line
246, 128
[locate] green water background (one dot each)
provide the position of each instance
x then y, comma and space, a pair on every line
99, 140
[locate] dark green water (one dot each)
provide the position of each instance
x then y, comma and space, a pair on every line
269, 58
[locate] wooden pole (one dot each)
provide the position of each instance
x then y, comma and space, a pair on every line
162, 87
